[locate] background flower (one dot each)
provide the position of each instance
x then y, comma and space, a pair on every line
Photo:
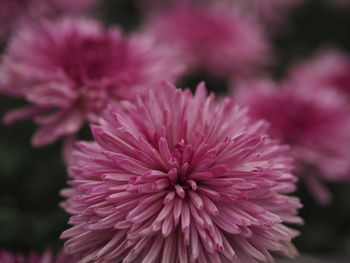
211, 39
71, 69
315, 124
179, 178
327, 68
271, 12
14, 13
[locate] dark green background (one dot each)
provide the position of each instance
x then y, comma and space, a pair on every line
30, 178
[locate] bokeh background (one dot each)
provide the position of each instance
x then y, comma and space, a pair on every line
30, 178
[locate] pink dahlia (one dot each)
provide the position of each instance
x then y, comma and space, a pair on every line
71, 69
14, 13
179, 178
330, 68
33, 257
315, 124
211, 39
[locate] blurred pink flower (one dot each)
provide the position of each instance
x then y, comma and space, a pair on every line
269, 12
328, 68
315, 124
14, 13
71, 69
272, 12
33, 257
211, 39
180, 178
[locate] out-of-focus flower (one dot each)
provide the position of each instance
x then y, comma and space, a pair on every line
272, 12
180, 178
14, 13
211, 39
328, 68
33, 257
315, 124
269, 12
71, 69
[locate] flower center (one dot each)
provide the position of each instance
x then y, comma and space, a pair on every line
180, 175
93, 99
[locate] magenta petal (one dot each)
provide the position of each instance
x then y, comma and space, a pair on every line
22, 113
66, 122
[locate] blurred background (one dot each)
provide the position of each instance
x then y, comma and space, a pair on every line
30, 178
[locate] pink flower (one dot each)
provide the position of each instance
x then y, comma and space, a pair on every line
315, 124
272, 12
14, 13
179, 178
71, 69
269, 12
328, 68
211, 39
33, 257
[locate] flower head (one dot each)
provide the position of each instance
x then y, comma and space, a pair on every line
14, 13
71, 69
315, 124
328, 68
179, 178
33, 257
211, 39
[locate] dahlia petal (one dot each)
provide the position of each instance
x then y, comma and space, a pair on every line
228, 251
148, 212
201, 175
210, 206
167, 226
196, 200
164, 212
209, 193
318, 190
152, 255
115, 240
164, 149
227, 226
194, 244
180, 191
169, 250
51, 94
182, 252
185, 217
178, 211
65, 122
22, 113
